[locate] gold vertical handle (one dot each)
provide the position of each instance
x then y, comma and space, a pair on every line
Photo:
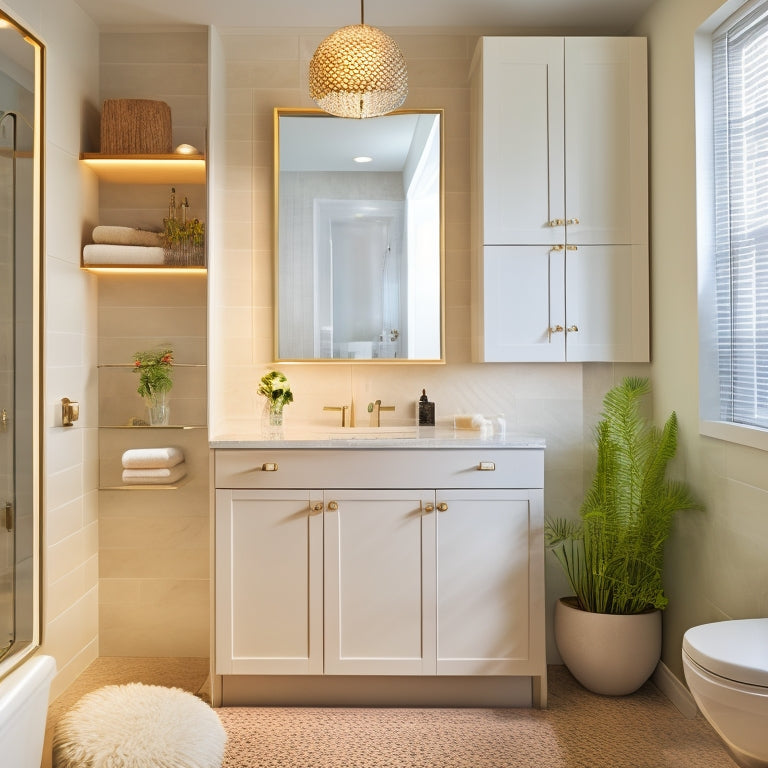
333, 505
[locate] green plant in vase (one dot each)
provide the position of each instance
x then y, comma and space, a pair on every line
155, 369
275, 387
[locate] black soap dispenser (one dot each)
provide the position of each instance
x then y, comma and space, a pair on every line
426, 411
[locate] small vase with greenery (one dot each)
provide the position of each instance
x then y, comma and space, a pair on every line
613, 555
155, 369
275, 387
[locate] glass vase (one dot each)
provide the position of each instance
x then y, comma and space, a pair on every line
159, 410
275, 415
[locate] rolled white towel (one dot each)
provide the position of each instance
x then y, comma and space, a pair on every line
152, 458
164, 476
122, 255
126, 236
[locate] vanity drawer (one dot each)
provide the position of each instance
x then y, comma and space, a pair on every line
410, 468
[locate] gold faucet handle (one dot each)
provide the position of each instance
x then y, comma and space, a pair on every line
344, 411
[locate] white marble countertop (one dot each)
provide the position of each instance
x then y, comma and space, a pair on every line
315, 436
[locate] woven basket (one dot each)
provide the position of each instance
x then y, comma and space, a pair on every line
135, 127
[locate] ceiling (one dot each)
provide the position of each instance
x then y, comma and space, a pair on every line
599, 16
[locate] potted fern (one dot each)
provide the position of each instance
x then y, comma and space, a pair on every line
609, 632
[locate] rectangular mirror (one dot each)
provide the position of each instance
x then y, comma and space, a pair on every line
359, 237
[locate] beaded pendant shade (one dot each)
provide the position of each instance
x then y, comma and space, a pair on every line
358, 71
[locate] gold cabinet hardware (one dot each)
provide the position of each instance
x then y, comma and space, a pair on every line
3, 420
269, 466
572, 329
556, 329
557, 248
333, 505
486, 466
571, 247
70, 412
556, 222
429, 507
442, 506
317, 506
8, 516
572, 221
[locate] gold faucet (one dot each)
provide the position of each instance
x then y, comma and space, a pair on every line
345, 421
375, 410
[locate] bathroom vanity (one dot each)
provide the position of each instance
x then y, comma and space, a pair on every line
395, 571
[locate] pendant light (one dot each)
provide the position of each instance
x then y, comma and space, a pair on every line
358, 71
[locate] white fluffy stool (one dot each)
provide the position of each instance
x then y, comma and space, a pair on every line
139, 726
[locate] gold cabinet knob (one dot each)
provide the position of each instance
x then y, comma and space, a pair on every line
442, 506
556, 329
317, 506
556, 222
572, 329
269, 466
429, 507
557, 248
572, 221
333, 505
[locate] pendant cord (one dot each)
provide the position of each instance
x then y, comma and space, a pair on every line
362, 12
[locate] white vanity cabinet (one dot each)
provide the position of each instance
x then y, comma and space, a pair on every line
560, 211
405, 563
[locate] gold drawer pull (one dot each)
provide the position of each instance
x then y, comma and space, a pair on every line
442, 506
269, 466
486, 466
429, 507
333, 505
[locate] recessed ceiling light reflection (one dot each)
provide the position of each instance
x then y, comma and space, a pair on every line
362, 159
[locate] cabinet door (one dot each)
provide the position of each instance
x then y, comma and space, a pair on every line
521, 140
523, 304
269, 575
606, 298
379, 582
606, 140
490, 593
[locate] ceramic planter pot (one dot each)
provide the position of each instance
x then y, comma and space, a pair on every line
608, 654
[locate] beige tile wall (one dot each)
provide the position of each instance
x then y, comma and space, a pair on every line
154, 545
70, 506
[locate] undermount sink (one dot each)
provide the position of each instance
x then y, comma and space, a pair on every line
371, 433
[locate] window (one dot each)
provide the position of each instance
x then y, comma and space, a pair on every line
734, 316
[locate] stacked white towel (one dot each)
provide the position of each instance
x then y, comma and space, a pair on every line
153, 466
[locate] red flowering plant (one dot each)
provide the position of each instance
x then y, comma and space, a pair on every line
155, 369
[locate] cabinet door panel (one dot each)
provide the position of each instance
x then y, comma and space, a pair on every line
268, 583
522, 140
606, 140
379, 583
607, 300
483, 585
524, 298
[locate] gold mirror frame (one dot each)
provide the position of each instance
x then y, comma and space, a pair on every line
280, 112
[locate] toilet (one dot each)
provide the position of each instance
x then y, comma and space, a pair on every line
726, 668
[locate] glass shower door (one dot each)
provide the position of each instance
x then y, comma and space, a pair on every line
7, 364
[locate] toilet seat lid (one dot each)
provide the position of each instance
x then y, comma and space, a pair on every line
737, 649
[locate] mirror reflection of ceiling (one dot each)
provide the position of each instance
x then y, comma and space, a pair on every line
331, 144
595, 16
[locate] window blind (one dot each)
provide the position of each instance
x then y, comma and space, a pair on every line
740, 94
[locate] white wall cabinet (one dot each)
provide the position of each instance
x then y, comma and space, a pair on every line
560, 209
350, 580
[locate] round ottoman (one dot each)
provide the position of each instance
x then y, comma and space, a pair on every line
137, 725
